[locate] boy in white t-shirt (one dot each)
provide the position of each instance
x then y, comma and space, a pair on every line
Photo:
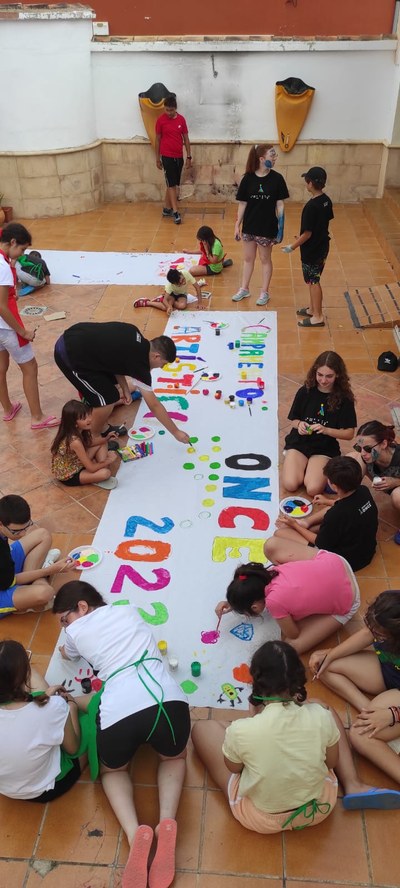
175, 293
15, 339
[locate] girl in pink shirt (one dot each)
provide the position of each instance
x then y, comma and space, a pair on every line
307, 598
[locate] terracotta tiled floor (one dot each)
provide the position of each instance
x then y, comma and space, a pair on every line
54, 845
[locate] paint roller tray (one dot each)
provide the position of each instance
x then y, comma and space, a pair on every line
295, 506
86, 556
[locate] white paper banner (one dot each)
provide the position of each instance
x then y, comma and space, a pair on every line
182, 519
77, 267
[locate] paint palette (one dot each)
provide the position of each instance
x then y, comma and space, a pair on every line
142, 433
295, 507
209, 377
221, 325
86, 556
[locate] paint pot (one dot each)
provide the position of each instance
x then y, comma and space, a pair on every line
232, 404
249, 401
217, 331
231, 398
230, 345
162, 647
377, 480
206, 391
195, 668
173, 663
237, 343
218, 395
86, 685
226, 401
241, 402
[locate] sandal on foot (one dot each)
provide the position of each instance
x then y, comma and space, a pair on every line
158, 298
13, 412
108, 484
303, 312
383, 799
141, 303
119, 431
135, 872
51, 422
162, 870
307, 323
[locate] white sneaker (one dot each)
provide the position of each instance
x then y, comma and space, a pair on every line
51, 557
241, 294
263, 299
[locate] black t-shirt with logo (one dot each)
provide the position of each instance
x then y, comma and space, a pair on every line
349, 528
315, 217
113, 348
311, 406
261, 193
7, 568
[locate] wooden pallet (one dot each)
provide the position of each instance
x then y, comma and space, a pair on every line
374, 306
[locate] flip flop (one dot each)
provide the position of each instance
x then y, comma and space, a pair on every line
24, 291
382, 799
135, 872
162, 870
141, 303
307, 323
51, 422
303, 312
119, 431
157, 299
13, 412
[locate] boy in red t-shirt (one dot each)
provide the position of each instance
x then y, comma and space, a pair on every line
171, 135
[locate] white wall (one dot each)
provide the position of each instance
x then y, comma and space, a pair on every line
46, 100
355, 98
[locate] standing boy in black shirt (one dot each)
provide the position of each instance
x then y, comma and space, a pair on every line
314, 244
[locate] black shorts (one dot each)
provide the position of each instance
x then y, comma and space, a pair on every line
97, 389
117, 744
172, 167
73, 481
60, 786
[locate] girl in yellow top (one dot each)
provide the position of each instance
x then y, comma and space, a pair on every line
276, 767
77, 456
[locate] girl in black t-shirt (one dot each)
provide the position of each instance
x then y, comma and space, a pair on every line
378, 453
260, 217
323, 413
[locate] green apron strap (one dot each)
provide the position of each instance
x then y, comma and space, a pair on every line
315, 808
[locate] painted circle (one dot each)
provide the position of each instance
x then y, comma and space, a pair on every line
208, 503
295, 506
86, 556
216, 438
204, 515
264, 408
188, 466
161, 432
193, 440
190, 450
216, 449
215, 465
141, 434
198, 477
204, 458
210, 487
186, 523
213, 477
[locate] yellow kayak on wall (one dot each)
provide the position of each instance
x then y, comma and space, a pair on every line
292, 103
152, 105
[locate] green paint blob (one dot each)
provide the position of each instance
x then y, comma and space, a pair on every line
211, 487
161, 432
159, 617
193, 440
188, 465
188, 687
215, 465
208, 502
216, 438
213, 477
264, 408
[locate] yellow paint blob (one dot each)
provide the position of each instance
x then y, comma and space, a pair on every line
211, 487
204, 458
208, 502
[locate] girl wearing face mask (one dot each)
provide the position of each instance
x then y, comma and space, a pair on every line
260, 218
379, 456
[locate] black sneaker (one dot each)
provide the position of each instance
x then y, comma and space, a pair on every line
177, 218
119, 431
167, 212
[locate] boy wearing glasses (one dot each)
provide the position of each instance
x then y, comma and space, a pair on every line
26, 560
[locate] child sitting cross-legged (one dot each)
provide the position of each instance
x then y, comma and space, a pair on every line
176, 293
347, 527
26, 560
77, 456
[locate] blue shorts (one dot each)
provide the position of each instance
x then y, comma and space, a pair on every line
6, 598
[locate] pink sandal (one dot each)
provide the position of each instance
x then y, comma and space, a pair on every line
135, 872
162, 870
141, 303
157, 299
51, 422
13, 412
